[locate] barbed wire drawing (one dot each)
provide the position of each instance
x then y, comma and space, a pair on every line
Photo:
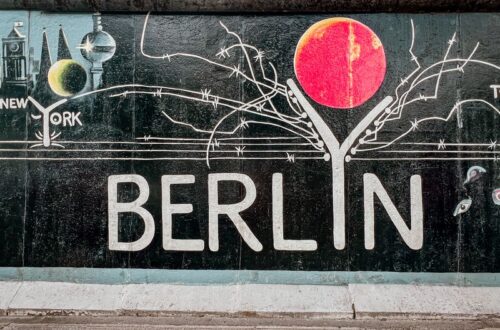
262, 107
370, 140
260, 111
300, 132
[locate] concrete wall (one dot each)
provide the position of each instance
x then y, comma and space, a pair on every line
253, 6
250, 149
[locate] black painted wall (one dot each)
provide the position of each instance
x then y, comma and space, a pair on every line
55, 213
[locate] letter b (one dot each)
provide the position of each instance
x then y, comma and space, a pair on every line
114, 208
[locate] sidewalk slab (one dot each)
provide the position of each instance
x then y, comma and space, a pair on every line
451, 301
7, 292
354, 300
67, 296
180, 298
332, 300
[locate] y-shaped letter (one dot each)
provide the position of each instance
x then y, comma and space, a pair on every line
338, 152
46, 117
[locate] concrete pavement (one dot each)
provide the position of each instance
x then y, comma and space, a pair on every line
354, 301
241, 321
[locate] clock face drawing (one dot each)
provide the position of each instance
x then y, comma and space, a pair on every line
14, 47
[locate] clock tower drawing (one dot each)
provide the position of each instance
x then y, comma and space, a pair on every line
14, 70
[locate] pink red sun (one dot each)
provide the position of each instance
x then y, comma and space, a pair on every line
340, 62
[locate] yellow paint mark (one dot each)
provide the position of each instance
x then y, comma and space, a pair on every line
319, 33
354, 54
376, 43
354, 47
316, 31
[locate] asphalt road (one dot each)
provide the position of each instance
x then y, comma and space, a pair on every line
203, 321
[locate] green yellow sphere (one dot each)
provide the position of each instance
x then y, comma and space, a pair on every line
67, 77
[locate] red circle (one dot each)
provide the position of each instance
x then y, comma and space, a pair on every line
340, 62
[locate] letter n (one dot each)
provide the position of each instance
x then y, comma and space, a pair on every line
414, 236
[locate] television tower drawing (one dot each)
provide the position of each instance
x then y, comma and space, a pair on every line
97, 47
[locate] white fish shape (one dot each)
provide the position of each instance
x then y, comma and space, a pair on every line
463, 206
474, 173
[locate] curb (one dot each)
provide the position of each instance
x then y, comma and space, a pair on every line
359, 301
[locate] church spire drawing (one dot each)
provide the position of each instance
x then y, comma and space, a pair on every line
63, 52
42, 89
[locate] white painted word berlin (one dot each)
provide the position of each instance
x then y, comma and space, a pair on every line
413, 236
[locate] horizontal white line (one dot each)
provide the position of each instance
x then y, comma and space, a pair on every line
160, 150
154, 159
426, 158
183, 143
219, 139
441, 151
159, 143
435, 144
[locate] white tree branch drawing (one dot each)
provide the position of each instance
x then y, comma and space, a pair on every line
299, 120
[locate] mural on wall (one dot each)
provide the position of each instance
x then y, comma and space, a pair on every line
267, 129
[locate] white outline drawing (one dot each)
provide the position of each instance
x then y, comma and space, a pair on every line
45, 135
418, 76
262, 107
308, 136
303, 122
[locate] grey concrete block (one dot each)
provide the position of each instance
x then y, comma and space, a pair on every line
333, 300
67, 296
7, 292
372, 300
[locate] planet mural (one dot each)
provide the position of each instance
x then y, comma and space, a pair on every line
340, 62
67, 77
